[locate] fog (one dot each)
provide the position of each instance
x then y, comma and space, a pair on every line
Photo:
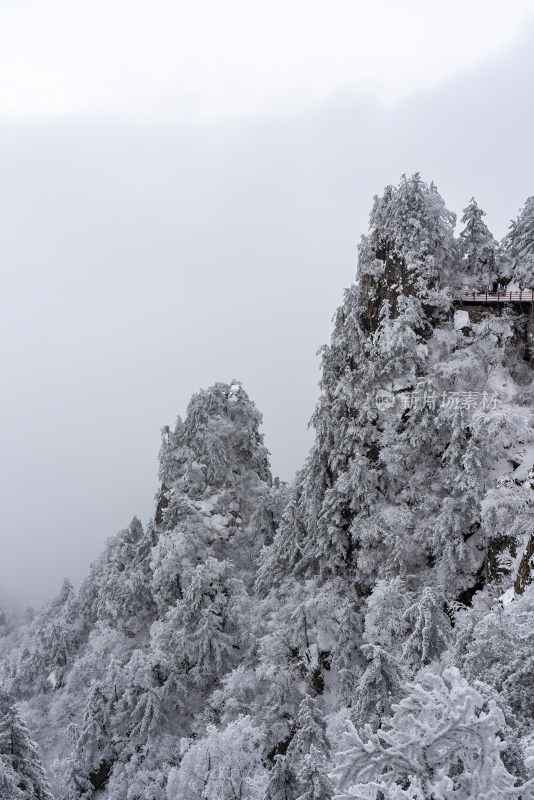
145, 258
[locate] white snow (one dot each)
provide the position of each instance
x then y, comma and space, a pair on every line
507, 597
461, 320
527, 462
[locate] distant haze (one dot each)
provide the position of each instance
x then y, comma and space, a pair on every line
146, 256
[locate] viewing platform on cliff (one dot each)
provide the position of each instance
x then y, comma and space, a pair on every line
520, 296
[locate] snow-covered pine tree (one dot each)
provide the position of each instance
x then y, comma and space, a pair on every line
431, 630
96, 749
281, 556
410, 249
313, 776
224, 764
348, 660
479, 249
22, 776
117, 590
440, 742
308, 753
215, 478
49, 646
519, 247
201, 636
282, 783
379, 688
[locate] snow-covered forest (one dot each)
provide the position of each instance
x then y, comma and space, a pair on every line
364, 632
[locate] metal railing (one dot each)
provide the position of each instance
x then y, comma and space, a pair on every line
523, 296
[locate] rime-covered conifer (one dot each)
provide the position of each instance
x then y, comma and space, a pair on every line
22, 776
519, 247
439, 743
479, 249
379, 688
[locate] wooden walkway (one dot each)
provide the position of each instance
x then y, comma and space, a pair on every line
524, 296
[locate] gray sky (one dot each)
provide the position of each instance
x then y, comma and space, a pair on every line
182, 195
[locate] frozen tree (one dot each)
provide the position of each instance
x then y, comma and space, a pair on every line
50, 644
431, 630
217, 497
267, 514
302, 773
95, 750
9, 782
347, 658
8, 619
308, 753
285, 551
379, 688
385, 621
478, 248
439, 743
498, 651
519, 247
282, 783
312, 776
22, 776
223, 765
459, 496
217, 446
117, 590
201, 636
410, 248
358, 505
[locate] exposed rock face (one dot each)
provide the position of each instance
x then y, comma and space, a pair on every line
395, 280
496, 548
526, 567
477, 313
162, 503
529, 335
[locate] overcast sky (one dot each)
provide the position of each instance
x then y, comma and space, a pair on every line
183, 189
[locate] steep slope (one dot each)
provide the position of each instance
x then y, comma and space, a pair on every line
261, 642
112, 669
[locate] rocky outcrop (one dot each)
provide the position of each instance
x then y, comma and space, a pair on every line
529, 335
526, 567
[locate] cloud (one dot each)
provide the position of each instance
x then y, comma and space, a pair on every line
213, 60
143, 260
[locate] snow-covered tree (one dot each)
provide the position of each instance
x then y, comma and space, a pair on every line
440, 743
347, 658
282, 783
478, 247
22, 776
50, 644
201, 636
95, 750
519, 247
358, 506
410, 248
312, 777
497, 650
431, 630
223, 765
385, 621
285, 551
308, 753
118, 588
379, 688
